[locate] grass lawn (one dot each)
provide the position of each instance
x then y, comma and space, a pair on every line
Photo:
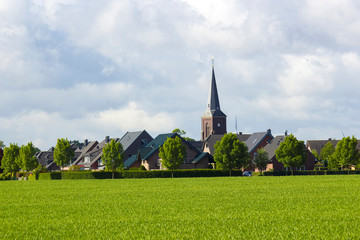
299, 207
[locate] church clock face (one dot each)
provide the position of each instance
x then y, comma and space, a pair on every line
218, 124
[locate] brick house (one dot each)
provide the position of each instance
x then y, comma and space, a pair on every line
278, 166
149, 155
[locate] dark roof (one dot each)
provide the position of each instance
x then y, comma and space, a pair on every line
95, 153
319, 144
129, 138
202, 155
45, 157
273, 145
157, 142
255, 139
197, 144
130, 161
84, 150
212, 139
213, 107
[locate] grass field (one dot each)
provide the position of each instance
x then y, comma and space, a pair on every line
303, 207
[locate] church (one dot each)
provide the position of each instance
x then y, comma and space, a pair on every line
213, 128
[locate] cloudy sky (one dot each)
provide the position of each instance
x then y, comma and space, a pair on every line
86, 69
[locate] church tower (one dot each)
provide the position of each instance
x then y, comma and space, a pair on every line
214, 120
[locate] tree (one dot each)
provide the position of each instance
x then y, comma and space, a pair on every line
182, 134
27, 160
172, 154
2, 145
291, 152
113, 154
8, 162
230, 153
346, 153
326, 152
261, 160
63, 153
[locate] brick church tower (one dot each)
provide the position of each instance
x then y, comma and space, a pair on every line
214, 120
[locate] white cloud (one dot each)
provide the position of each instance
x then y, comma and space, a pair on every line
44, 128
84, 69
308, 74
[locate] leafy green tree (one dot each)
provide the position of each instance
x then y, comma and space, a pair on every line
261, 160
346, 153
2, 145
63, 153
182, 134
113, 154
8, 162
316, 154
326, 152
230, 153
291, 152
27, 160
172, 154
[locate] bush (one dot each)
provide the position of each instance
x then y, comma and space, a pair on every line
5, 176
33, 177
257, 174
142, 168
74, 168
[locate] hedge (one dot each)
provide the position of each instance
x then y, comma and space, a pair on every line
138, 174
312, 172
50, 176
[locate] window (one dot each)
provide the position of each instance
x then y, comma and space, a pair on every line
87, 159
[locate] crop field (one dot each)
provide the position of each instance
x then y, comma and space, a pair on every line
299, 207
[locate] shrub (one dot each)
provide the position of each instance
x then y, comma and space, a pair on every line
5, 176
75, 168
142, 168
33, 177
256, 174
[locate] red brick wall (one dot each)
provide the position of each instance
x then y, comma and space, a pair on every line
262, 144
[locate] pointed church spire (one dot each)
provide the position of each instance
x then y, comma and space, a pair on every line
213, 106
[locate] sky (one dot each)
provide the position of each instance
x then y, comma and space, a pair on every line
86, 69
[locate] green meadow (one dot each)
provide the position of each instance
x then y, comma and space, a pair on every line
299, 207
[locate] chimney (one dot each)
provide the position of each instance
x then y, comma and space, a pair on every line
107, 139
240, 133
285, 133
269, 130
329, 139
86, 142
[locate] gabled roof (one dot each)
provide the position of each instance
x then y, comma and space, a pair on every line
84, 150
212, 139
157, 142
319, 144
45, 157
130, 161
129, 138
253, 141
273, 145
197, 144
202, 155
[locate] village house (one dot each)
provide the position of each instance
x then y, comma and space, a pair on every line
149, 155
275, 165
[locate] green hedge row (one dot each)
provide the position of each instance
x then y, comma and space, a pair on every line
138, 174
310, 172
49, 176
